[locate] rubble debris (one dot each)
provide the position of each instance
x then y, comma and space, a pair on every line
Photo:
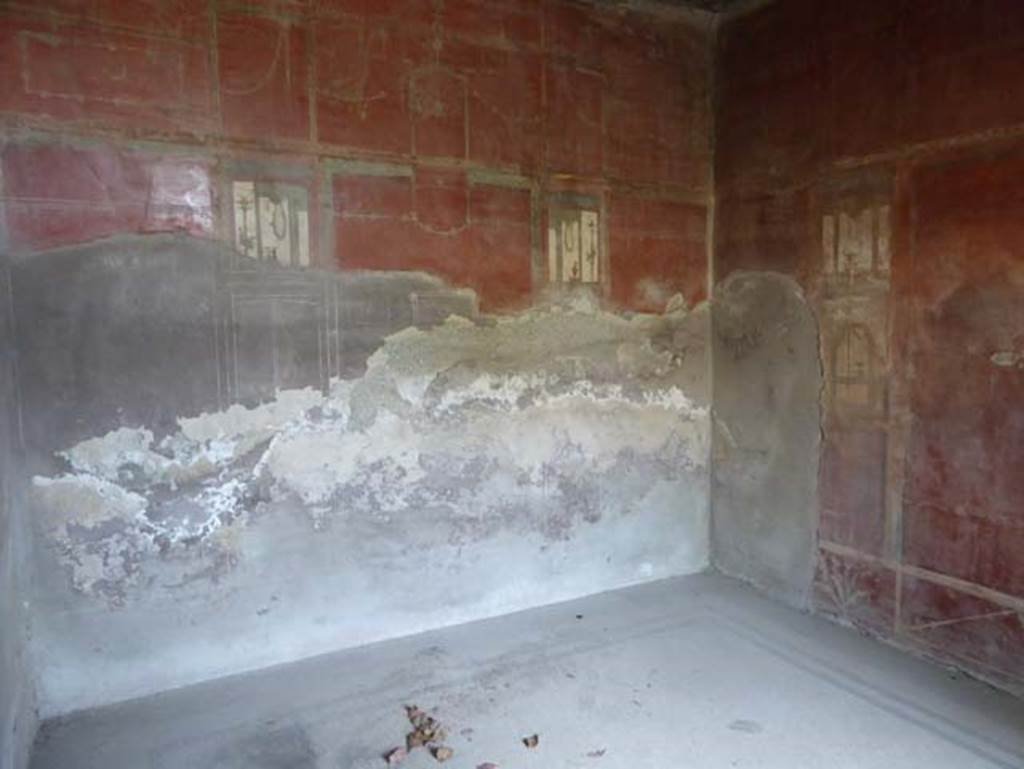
396, 756
442, 753
597, 753
426, 729
414, 740
532, 741
427, 733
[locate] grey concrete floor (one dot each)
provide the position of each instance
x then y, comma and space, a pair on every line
690, 673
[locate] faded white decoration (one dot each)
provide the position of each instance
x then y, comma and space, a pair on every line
857, 243
574, 246
272, 222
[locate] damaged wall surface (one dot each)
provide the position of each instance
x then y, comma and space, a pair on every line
362, 392
875, 158
17, 716
460, 467
260, 437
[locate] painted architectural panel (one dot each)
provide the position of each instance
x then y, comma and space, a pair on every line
271, 222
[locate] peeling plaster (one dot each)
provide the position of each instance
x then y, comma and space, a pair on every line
536, 424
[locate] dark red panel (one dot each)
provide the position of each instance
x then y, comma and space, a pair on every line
635, 60
773, 93
964, 509
504, 102
907, 71
263, 77
801, 83
853, 478
974, 548
363, 67
492, 258
516, 22
408, 12
437, 102
488, 252
780, 38
442, 199
98, 68
576, 33
761, 144
373, 196
500, 241
976, 90
775, 232
376, 244
655, 108
872, 77
574, 121
489, 203
658, 249
186, 19
949, 27
116, 77
500, 271
660, 64
964, 629
661, 145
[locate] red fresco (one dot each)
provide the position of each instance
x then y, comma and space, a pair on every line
921, 494
852, 488
660, 238
476, 235
58, 195
967, 629
363, 66
574, 138
859, 591
87, 74
264, 91
127, 117
964, 512
504, 96
537, 94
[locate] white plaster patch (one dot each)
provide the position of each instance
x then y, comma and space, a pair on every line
236, 430
105, 456
84, 500
535, 424
314, 463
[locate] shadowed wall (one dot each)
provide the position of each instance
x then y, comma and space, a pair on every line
873, 154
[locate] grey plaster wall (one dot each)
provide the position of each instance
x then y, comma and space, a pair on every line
17, 718
767, 383
232, 466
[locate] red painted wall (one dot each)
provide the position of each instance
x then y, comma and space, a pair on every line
133, 117
916, 106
